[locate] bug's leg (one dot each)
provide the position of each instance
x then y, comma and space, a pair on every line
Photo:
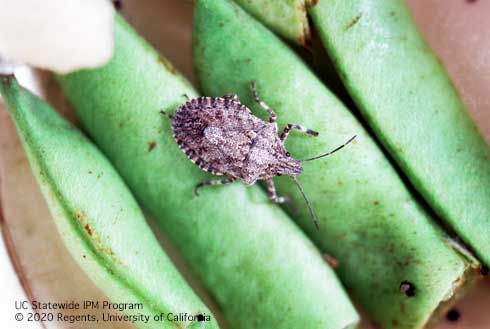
232, 97
272, 114
271, 191
186, 97
213, 182
165, 114
290, 127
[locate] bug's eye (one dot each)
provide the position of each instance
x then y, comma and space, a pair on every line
288, 154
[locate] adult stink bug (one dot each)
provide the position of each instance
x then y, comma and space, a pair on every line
223, 137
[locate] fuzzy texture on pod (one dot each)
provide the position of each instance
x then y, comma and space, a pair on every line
97, 217
407, 98
369, 222
261, 269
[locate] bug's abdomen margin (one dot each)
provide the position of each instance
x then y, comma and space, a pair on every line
206, 130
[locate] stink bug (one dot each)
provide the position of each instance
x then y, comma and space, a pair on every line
223, 137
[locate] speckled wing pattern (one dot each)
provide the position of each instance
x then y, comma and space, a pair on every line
216, 133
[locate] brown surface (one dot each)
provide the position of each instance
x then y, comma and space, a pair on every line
456, 29
167, 25
459, 32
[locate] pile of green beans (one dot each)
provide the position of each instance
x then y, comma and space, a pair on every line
417, 161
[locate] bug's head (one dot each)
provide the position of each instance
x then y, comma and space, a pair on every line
287, 165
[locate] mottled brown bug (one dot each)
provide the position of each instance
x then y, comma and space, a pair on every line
223, 137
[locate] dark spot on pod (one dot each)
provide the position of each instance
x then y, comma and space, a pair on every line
353, 21
167, 65
408, 288
453, 315
314, 2
151, 146
333, 262
88, 229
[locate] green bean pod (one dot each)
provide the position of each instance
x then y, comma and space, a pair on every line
407, 98
287, 17
368, 220
261, 269
98, 218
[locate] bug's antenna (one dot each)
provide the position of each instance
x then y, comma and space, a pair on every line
312, 213
331, 152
